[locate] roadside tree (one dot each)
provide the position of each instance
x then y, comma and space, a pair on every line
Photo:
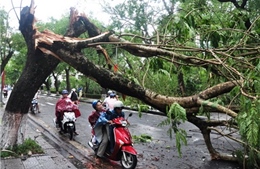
216, 67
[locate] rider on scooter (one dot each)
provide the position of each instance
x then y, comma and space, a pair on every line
93, 117
65, 104
99, 119
115, 113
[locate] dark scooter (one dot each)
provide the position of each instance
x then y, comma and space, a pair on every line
34, 106
5, 93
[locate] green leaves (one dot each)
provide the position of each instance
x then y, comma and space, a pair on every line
249, 123
249, 128
143, 138
175, 115
178, 112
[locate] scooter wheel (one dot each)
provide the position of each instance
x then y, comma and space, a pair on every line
71, 131
130, 162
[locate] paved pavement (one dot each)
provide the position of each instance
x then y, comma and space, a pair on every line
50, 160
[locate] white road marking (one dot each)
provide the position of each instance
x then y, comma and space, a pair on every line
50, 103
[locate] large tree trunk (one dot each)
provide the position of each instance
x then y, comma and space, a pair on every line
38, 67
12, 124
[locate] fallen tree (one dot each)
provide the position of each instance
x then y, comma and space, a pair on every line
46, 49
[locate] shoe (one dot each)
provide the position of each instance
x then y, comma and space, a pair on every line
76, 133
99, 159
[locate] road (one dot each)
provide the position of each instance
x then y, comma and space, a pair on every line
161, 152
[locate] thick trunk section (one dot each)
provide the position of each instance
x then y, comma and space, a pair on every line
38, 67
12, 124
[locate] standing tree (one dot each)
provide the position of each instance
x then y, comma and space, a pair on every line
228, 58
5, 40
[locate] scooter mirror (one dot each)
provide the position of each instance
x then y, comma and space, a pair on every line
130, 114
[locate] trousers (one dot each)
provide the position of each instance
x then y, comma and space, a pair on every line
103, 145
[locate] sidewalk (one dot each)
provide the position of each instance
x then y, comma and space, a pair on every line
52, 159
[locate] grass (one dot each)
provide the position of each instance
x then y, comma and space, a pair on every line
24, 148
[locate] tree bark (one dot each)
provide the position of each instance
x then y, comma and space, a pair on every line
12, 125
37, 68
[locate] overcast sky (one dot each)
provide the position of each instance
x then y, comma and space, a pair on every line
55, 8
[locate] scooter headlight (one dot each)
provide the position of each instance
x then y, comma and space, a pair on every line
124, 123
121, 143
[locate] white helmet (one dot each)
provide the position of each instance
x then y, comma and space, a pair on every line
74, 90
118, 104
109, 92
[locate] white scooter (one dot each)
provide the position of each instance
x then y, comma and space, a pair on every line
68, 123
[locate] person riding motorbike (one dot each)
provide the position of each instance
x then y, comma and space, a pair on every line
98, 119
74, 96
36, 96
93, 117
65, 104
111, 101
5, 91
115, 113
107, 98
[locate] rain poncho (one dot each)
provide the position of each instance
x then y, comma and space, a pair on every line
65, 104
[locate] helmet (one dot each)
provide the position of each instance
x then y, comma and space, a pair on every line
73, 89
112, 95
64, 92
109, 92
118, 104
95, 102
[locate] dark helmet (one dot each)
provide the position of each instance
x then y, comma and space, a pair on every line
95, 102
64, 92
112, 95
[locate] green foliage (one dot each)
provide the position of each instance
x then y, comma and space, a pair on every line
249, 128
94, 87
249, 122
17, 62
24, 148
143, 138
175, 115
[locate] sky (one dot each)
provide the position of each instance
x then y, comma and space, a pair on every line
56, 8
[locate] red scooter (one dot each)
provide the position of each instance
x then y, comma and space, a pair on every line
123, 148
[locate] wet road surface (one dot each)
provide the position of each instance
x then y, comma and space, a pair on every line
161, 152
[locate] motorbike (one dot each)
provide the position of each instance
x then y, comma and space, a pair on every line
5, 93
123, 150
68, 123
34, 108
